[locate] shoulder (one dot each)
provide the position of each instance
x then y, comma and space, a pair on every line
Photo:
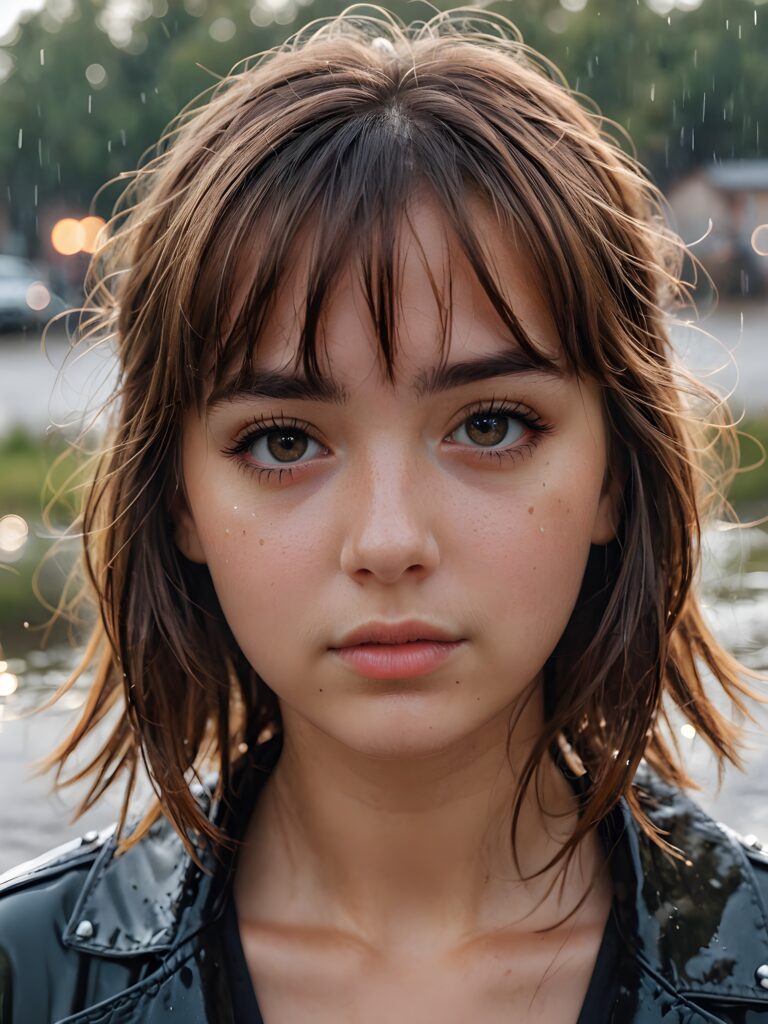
45, 889
70, 856
36, 899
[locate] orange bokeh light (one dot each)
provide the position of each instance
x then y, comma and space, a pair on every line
68, 236
91, 226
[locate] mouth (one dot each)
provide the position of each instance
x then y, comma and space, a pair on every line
412, 658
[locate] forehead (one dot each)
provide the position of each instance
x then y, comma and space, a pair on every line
429, 297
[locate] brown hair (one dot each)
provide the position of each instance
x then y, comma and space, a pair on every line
334, 130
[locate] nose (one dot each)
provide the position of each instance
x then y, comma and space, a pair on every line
390, 514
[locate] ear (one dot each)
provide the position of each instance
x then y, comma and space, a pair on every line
185, 534
609, 509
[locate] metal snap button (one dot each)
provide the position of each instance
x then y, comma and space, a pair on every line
762, 975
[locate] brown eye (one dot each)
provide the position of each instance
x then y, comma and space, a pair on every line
491, 429
286, 445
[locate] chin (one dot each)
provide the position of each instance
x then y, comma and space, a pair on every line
403, 727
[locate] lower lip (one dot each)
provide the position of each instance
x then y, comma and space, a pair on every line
397, 661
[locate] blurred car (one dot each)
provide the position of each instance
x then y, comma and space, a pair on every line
26, 300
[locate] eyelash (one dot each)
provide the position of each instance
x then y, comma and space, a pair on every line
261, 427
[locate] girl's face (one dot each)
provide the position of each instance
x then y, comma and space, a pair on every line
470, 505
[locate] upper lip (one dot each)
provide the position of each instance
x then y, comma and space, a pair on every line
395, 633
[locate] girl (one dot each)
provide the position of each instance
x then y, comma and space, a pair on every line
393, 545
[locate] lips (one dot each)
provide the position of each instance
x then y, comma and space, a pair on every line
407, 660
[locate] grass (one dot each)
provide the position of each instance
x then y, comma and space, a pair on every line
749, 491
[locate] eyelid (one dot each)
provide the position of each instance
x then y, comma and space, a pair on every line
261, 425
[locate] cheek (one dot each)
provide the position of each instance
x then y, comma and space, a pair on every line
263, 569
526, 556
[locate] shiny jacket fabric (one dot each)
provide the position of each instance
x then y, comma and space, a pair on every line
86, 938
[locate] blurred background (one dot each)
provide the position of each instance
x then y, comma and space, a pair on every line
87, 87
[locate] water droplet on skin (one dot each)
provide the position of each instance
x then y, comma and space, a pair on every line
541, 529
226, 530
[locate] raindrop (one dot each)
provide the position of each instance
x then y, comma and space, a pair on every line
703, 107
143, 96
42, 58
35, 201
40, 151
90, 98
21, 136
653, 92
122, 137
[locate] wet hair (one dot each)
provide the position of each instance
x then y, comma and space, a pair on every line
328, 136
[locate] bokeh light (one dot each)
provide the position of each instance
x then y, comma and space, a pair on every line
68, 236
13, 533
8, 684
222, 30
91, 227
38, 297
688, 731
96, 75
760, 239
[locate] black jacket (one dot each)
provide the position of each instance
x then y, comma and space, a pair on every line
86, 938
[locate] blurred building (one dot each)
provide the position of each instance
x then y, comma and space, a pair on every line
733, 196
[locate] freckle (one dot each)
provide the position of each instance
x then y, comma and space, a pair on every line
457, 682
243, 532
261, 540
321, 689
530, 510
543, 484
477, 698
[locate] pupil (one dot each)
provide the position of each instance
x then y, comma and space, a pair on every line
286, 444
491, 429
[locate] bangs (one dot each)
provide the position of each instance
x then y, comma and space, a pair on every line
336, 192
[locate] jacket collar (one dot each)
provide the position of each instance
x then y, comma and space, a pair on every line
685, 922
682, 923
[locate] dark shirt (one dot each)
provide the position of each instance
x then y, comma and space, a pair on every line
596, 1008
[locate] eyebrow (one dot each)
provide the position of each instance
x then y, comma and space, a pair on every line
281, 385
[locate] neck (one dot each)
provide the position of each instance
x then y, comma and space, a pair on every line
397, 849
